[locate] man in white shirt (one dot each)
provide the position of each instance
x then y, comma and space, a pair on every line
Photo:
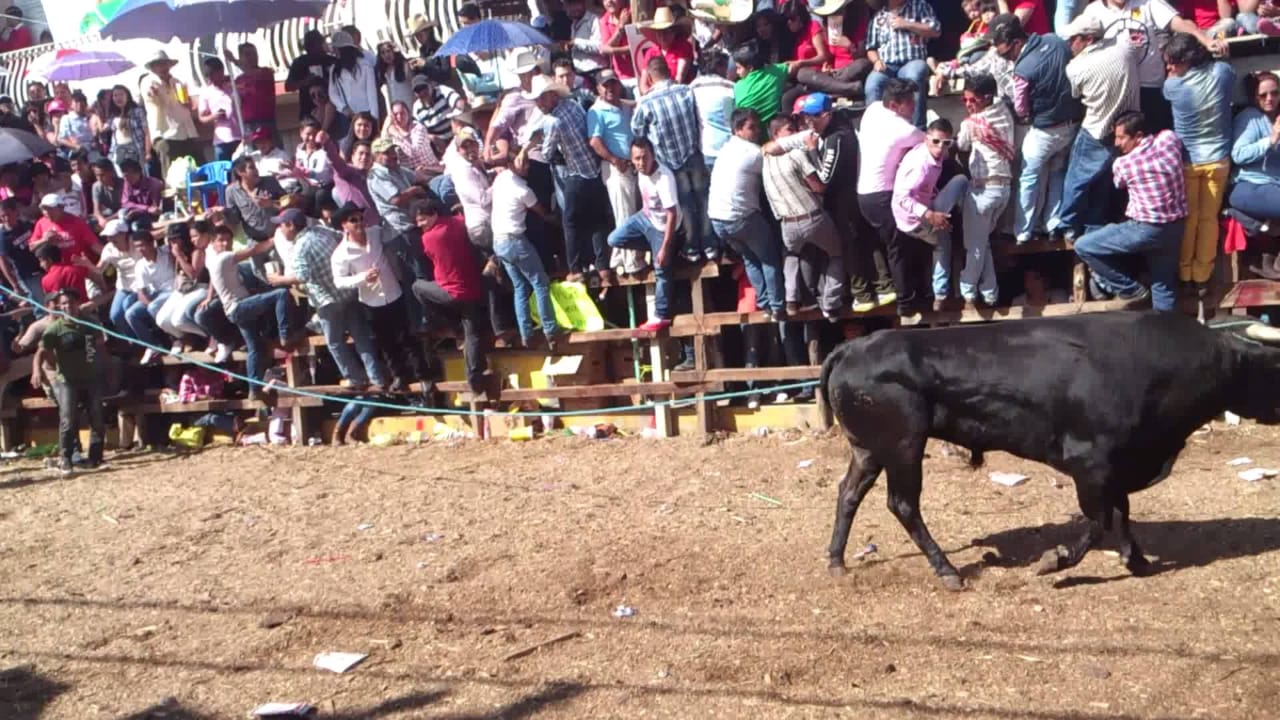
153, 275
361, 261
585, 30
735, 214
168, 106
512, 201
252, 314
654, 227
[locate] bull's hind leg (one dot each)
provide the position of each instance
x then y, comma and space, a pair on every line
1130, 553
904, 501
1096, 509
862, 474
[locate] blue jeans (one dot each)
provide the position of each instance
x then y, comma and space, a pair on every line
1261, 202
1106, 250
949, 197
1044, 157
761, 252
32, 288
1248, 21
337, 321
917, 71
253, 316
1066, 12
1087, 189
527, 274
982, 210
691, 189
120, 304
407, 248
142, 320
586, 216
638, 233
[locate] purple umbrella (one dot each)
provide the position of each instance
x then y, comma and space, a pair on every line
69, 65
189, 20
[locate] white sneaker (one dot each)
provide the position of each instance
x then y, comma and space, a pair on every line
223, 354
147, 356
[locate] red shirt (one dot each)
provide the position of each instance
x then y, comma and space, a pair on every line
841, 56
1203, 12
804, 42
19, 38
621, 61
1038, 21
257, 92
64, 276
75, 238
679, 50
457, 269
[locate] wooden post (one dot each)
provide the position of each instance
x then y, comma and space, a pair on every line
127, 428
706, 410
296, 375
1079, 282
662, 415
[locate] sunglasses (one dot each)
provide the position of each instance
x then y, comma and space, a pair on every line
941, 142
1269, 93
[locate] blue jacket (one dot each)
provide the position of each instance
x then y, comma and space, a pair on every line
1043, 65
1257, 162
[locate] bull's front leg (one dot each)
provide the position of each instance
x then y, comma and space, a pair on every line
1096, 509
904, 503
858, 480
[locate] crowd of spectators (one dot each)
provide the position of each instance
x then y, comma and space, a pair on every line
413, 207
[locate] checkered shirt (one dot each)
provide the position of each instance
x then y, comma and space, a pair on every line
898, 47
668, 117
784, 184
565, 129
311, 264
1153, 175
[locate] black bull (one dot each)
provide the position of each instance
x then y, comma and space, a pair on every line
1108, 399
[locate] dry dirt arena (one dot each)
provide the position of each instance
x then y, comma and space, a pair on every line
481, 580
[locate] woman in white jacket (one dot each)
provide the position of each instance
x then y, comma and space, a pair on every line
353, 86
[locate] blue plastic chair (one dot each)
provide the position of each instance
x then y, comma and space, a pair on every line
209, 178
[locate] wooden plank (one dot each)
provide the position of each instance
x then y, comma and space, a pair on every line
1034, 247
683, 272
769, 374
599, 391
1252, 293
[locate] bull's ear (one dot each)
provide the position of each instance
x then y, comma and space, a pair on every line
1264, 334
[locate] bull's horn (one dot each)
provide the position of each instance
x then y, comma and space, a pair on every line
1263, 333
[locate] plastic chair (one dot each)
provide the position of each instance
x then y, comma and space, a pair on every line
211, 177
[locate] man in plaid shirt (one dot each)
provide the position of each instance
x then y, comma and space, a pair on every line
1150, 168
896, 38
338, 311
667, 116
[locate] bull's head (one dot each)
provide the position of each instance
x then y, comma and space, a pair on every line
1259, 353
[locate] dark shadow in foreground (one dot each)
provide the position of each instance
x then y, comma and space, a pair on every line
24, 693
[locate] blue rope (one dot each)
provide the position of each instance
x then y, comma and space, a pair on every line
398, 407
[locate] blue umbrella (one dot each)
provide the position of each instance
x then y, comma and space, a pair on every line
491, 36
189, 20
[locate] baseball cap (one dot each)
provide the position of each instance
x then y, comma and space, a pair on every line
55, 106
382, 145
1083, 25
51, 200
290, 216
261, 133
815, 104
605, 76
420, 81
115, 226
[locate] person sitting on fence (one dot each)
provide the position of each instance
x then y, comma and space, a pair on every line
455, 293
107, 192
61, 273
140, 193
152, 283
187, 246
654, 227
922, 210
512, 201
71, 351
255, 199
117, 253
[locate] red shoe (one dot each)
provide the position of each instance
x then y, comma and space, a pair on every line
655, 325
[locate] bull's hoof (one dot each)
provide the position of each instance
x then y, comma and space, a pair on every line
1051, 561
1139, 566
837, 570
954, 583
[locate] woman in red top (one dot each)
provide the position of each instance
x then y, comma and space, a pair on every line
817, 66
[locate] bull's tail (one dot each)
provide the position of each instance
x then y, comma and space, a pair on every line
834, 357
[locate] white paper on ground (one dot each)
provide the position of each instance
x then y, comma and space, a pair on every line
1241, 461
277, 709
338, 662
1008, 479
1256, 474
804, 464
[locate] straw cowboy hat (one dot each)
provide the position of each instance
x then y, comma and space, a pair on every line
542, 84
160, 57
723, 11
420, 23
830, 7
663, 19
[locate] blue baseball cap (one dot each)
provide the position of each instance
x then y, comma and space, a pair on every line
815, 104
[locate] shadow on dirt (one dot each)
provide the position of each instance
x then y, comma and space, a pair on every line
24, 693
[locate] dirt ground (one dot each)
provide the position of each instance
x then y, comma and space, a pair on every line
142, 591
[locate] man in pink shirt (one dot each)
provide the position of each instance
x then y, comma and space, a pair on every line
922, 212
889, 136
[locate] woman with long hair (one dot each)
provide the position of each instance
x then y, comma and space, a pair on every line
127, 123
323, 111
413, 143
823, 63
98, 121
393, 74
364, 128
353, 87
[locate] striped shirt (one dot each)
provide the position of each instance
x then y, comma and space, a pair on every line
565, 130
313, 250
898, 47
1152, 173
668, 116
437, 114
784, 184
1106, 81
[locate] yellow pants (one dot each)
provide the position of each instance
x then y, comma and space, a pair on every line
1205, 186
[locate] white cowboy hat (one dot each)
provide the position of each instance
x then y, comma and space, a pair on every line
420, 23
523, 62
160, 57
542, 85
830, 7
